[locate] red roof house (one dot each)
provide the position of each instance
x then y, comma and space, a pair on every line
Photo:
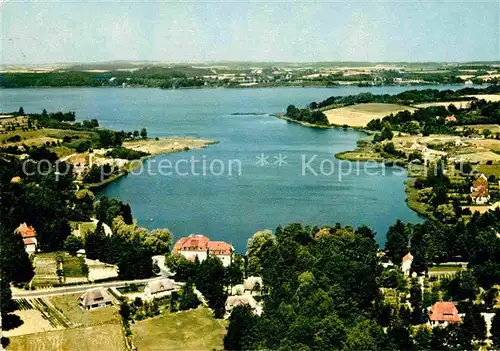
444, 312
220, 248
451, 118
28, 234
197, 245
194, 242
26, 231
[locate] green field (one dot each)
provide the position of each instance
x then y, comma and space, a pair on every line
108, 337
68, 305
72, 266
489, 169
187, 330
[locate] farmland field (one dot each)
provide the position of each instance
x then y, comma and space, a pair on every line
359, 115
68, 305
457, 104
40, 136
489, 170
187, 330
107, 337
45, 270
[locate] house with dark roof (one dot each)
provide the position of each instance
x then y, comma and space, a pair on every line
28, 234
443, 313
198, 245
159, 288
95, 298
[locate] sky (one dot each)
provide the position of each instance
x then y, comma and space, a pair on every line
50, 31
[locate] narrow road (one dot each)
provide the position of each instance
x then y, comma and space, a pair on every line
21, 294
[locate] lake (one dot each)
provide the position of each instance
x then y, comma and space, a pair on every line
263, 172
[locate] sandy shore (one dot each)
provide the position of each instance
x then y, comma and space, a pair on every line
167, 145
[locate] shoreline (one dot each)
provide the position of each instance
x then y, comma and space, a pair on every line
243, 87
190, 143
319, 126
356, 155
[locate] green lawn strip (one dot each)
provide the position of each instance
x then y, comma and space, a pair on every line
180, 331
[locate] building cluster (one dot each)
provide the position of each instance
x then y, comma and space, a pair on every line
199, 246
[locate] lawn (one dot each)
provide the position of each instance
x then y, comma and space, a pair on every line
489, 169
68, 305
359, 115
40, 136
107, 337
187, 330
84, 227
72, 266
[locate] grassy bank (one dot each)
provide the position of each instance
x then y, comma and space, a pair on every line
412, 200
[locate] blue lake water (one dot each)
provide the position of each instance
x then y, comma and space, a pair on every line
253, 197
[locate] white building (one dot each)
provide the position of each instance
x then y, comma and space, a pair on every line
159, 288
406, 263
95, 298
239, 300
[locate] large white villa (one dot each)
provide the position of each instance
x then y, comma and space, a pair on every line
198, 245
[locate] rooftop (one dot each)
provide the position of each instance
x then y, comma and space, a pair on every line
444, 311
26, 231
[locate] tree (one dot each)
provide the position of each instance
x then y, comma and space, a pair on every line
72, 244
241, 324
144, 133
422, 339
366, 335
6, 303
188, 299
210, 281
257, 246
396, 245
159, 241
15, 265
416, 302
180, 266
21, 111
474, 325
136, 134
234, 272
84, 205
94, 242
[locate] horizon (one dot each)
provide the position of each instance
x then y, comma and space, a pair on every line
184, 32
160, 62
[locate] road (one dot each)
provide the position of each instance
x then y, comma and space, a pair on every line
22, 294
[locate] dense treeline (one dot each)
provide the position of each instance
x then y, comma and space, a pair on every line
127, 154
210, 277
434, 242
406, 98
306, 115
322, 287
164, 77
